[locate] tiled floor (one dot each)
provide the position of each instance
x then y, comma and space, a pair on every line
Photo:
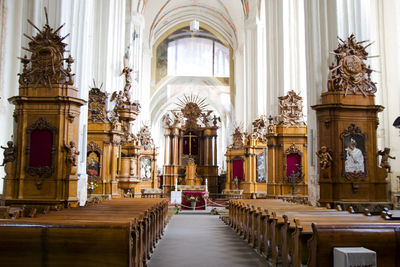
202, 240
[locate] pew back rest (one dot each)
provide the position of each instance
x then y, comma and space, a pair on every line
382, 238
66, 244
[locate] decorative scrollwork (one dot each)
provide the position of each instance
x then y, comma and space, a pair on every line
293, 149
97, 105
291, 109
92, 146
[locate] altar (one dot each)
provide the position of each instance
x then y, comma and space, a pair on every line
193, 200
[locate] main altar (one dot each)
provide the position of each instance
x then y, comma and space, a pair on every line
190, 159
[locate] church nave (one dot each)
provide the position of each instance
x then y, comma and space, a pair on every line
202, 240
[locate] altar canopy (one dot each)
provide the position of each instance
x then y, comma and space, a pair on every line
196, 196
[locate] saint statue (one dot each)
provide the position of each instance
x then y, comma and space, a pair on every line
354, 158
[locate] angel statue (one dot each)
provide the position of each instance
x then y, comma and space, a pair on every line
385, 158
72, 153
9, 153
325, 158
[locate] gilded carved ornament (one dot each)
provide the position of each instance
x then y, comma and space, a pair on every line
349, 72
291, 109
97, 105
145, 138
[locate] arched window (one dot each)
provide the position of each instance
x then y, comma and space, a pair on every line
184, 53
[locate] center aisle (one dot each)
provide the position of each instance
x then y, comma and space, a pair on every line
202, 240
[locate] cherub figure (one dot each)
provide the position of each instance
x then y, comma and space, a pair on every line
385, 158
325, 158
10, 153
72, 153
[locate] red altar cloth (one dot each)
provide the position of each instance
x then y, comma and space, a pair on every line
200, 203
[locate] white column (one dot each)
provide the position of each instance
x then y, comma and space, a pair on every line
294, 68
11, 21
385, 31
320, 33
274, 54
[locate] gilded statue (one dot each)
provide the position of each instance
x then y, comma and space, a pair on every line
72, 153
385, 158
10, 153
325, 158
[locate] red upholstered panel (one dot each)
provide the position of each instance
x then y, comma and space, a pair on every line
40, 148
238, 169
293, 162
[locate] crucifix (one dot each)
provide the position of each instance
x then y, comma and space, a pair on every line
190, 135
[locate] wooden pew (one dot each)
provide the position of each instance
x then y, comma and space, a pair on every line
136, 224
274, 228
383, 238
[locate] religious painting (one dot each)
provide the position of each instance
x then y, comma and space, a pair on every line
93, 166
354, 154
145, 168
261, 170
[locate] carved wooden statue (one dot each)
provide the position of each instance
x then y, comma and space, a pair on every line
385, 158
72, 153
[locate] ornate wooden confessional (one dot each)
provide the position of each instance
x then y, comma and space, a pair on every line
43, 169
190, 133
347, 123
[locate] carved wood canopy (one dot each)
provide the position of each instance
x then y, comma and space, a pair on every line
46, 65
350, 72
